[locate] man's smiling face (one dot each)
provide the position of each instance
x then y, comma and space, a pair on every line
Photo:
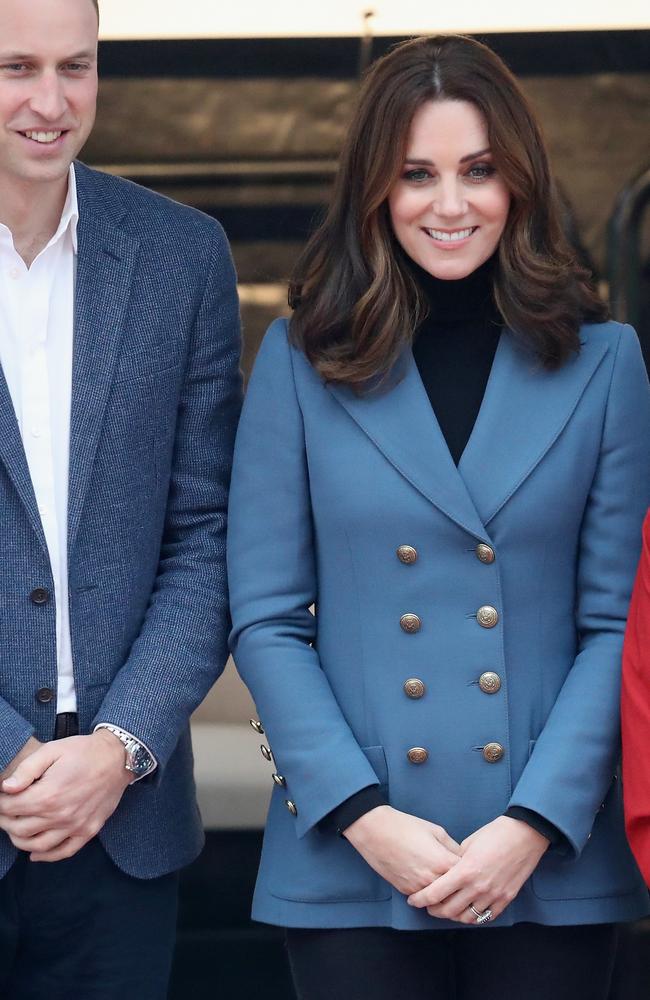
48, 87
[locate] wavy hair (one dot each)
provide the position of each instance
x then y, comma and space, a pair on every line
355, 303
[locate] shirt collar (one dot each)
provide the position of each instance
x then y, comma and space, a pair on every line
69, 217
70, 214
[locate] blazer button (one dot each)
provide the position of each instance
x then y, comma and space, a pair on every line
279, 780
489, 682
40, 595
410, 623
487, 616
492, 752
414, 687
418, 755
266, 753
485, 553
45, 695
407, 554
257, 726
291, 806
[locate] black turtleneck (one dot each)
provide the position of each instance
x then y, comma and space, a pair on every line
454, 348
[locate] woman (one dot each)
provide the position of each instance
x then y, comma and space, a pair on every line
446, 453
635, 705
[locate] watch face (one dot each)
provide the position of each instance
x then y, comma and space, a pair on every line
138, 760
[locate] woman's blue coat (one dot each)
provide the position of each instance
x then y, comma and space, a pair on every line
327, 485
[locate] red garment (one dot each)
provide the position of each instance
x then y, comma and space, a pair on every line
635, 706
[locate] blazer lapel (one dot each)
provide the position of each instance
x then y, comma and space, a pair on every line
105, 263
12, 454
401, 423
524, 410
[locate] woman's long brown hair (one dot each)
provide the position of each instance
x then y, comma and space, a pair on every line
356, 305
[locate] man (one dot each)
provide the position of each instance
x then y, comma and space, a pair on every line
119, 395
635, 705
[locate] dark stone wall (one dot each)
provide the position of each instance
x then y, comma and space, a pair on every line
597, 127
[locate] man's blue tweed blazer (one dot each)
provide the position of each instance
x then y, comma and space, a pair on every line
155, 401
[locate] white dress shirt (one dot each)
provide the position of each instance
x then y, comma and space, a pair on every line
36, 335
36, 340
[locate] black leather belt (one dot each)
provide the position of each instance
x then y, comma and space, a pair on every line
67, 724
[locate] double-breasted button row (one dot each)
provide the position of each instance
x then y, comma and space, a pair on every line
408, 553
486, 616
492, 753
489, 682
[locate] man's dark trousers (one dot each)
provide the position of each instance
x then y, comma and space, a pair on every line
83, 921
65, 923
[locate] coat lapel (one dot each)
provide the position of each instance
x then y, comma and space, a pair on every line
12, 454
524, 410
401, 423
105, 263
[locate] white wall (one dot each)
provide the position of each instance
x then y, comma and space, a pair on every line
285, 18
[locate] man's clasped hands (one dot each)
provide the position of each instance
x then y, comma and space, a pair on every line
55, 797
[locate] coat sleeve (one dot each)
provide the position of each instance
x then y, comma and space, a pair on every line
635, 706
15, 731
182, 645
576, 755
273, 585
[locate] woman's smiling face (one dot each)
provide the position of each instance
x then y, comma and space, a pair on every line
449, 206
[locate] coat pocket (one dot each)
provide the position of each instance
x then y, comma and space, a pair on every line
319, 867
605, 867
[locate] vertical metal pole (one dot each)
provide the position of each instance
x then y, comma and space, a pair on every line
365, 42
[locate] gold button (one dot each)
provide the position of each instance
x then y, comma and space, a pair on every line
257, 726
487, 616
493, 752
291, 806
410, 623
418, 755
485, 553
279, 780
266, 753
489, 682
414, 687
407, 554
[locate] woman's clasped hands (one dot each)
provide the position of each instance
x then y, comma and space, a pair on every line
420, 859
405, 850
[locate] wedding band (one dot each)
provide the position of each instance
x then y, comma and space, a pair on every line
481, 918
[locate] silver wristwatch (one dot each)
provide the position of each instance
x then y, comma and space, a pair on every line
139, 761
